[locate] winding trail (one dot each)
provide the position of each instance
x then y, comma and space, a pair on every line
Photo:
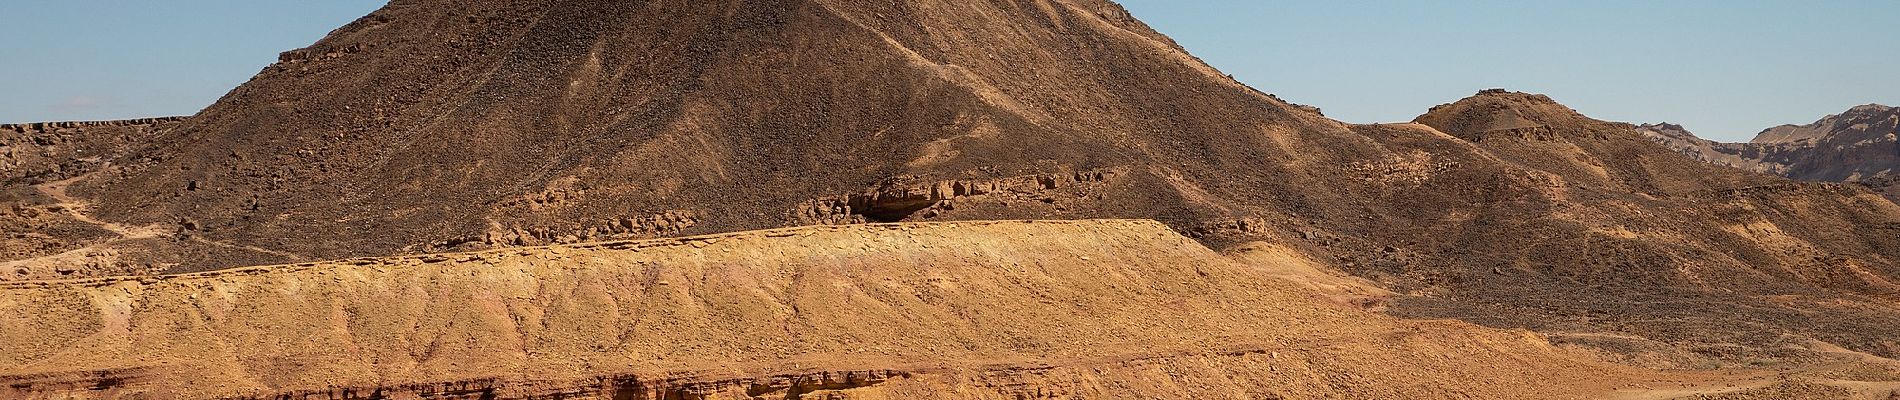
77, 209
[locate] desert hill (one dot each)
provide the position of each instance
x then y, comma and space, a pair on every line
1081, 309
1855, 146
432, 126
1592, 228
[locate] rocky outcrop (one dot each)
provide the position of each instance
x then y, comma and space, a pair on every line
1862, 143
1499, 114
903, 199
670, 223
46, 127
1861, 122
49, 151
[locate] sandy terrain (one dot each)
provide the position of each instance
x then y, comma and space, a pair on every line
952, 310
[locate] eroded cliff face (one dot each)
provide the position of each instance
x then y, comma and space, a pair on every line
1858, 146
1862, 122
951, 310
1744, 156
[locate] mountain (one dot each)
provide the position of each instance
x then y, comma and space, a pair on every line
1738, 155
1859, 145
1594, 228
1865, 122
432, 126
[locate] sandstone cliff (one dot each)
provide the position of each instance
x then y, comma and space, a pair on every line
1083, 309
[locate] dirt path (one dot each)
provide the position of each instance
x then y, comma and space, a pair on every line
78, 210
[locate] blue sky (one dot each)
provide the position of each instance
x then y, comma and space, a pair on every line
1727, 69
110, 59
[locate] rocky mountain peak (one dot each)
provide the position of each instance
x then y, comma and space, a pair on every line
1502, 113
1873, 108
1665, 126
1856, 124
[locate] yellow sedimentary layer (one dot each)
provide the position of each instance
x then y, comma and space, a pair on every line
971, 309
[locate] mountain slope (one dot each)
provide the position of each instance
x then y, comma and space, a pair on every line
434, 126
437, 125
44, 152
44, 230
1606, 230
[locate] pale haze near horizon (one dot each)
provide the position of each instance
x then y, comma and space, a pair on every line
1725, 69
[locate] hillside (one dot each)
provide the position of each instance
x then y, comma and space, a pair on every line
44, 232
432, 126
43, 152
1090, 309
437, 126
1603, 231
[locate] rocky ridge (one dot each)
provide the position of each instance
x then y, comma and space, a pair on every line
40, 152
1598, 208
1858, 146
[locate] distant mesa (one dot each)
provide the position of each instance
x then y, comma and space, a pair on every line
1859, 145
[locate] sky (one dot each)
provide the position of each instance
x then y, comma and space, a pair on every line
66, 60
1725, 69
